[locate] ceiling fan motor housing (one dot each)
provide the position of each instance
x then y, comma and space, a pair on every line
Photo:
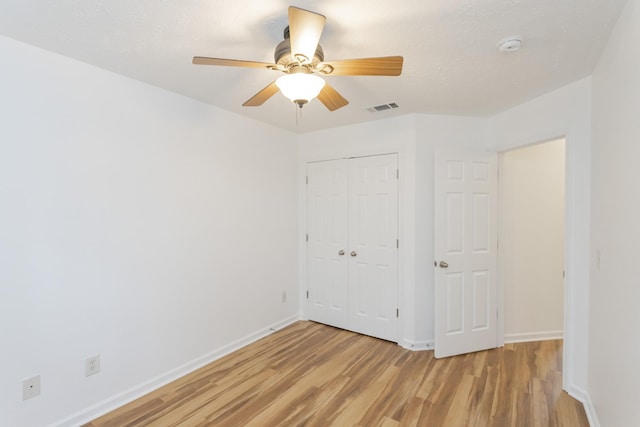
282, 54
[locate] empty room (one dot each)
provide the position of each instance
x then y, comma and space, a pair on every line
320, 213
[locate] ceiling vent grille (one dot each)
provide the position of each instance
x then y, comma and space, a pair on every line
383, 107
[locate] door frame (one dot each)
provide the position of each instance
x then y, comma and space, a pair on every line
405, 232
571, 256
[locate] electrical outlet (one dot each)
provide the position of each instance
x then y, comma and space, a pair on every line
284, 296
92, 365
31, 387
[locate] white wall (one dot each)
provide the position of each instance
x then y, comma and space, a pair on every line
132, 225
532, 241
614, 349
564, 112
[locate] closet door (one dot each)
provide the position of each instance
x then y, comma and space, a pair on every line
327, 259
373, 246
352, 246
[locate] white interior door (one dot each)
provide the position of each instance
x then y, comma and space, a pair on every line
352, 249
373, 245
466, 251
327, 262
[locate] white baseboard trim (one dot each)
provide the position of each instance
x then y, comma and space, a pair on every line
417, 345
533, 336
584, 397
88, 414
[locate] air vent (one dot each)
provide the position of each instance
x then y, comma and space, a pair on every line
383, 107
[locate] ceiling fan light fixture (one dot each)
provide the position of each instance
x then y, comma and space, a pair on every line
300, 88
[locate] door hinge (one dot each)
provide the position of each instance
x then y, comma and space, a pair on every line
397, 173
307, 237
307, 294
307, 179
397, 312
398, 243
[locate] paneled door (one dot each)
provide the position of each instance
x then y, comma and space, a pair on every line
352, 244
373, 246
327, 243
466, 251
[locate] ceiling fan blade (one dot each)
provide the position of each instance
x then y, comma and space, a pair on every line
331, 98
305, 29
260, 97
203, 60
383, 66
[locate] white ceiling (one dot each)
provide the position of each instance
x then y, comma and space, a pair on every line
452, 65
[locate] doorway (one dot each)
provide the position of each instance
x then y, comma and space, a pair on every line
532, 241
530, 253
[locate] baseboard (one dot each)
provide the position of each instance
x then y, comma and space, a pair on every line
101, 408
508, 338
417, 345
533, 336
584, 397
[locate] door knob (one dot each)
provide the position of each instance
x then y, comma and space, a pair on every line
341, 252
354, 253
443, 264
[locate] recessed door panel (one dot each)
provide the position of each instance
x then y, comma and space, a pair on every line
360, 289
481, 301
455, 303
481, 171
454, 218
481, 205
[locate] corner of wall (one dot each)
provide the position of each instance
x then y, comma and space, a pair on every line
584, 397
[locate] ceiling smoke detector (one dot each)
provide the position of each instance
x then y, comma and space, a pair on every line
510, 44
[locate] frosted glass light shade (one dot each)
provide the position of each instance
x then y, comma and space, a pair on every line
300, 87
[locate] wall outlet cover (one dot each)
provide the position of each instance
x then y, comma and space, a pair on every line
92, 365
31, 387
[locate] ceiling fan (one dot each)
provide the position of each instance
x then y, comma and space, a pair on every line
301, 59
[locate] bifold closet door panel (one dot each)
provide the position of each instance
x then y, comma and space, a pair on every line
373, 245
327, 262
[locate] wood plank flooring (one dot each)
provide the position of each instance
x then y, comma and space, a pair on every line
314, 375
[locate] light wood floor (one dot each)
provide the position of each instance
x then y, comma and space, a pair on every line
313, 375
